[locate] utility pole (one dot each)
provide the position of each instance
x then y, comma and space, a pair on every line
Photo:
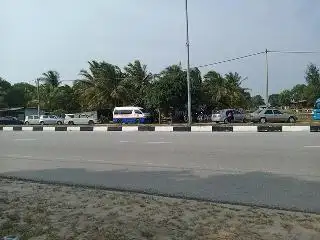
188, 65
267, 78
38, 80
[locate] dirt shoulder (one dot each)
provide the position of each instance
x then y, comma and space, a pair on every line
39, 211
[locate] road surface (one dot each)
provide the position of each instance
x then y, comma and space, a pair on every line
273, 169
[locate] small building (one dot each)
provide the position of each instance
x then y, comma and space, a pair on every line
20, 112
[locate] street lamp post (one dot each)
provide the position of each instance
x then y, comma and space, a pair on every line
267, 78
188, 64
38, 93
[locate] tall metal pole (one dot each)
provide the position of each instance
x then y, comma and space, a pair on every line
267, 78
38, 96
188, 65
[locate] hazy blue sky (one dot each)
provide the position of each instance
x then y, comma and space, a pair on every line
39, 35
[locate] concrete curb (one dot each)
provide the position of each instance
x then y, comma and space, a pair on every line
142, 128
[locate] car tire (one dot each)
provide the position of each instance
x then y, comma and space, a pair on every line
59, 123
263, 120
91, 122
291, 120
70, 123
217, 122
26, 123
226, 121
41, 123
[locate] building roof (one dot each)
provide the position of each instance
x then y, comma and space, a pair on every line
11, 109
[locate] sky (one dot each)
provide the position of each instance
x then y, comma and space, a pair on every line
63, 35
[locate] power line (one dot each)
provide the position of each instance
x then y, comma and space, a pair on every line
232, 59
294, 52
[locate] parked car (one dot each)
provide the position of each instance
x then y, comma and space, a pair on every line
72, 119
10, 121
50, 120
221, 116
272, 115
32, 119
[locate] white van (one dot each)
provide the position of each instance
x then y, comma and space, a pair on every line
72, 119
130, 115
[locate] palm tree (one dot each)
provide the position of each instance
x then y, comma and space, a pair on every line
101, 86
51, 78
215, 89
136, 81
236, 93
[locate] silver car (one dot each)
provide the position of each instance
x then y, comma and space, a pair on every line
272, 115
50, 120
221, 116
72, 119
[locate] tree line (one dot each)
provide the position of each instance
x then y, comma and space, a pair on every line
104, 86
306, 93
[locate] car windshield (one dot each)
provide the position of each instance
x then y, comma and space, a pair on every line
160, 119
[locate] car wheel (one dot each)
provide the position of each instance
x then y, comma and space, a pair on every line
226, 121
26, 123
70, 123
244, 120
90, 122
42, 123
263, 120
59, 123
217, 122
291, 120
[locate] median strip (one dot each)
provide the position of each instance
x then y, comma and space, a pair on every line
146, 128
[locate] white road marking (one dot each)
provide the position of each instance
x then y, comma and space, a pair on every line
312, 146
124, 141
157, 142
25, 139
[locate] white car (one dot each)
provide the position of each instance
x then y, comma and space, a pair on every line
72, 119
33, 119
50, 120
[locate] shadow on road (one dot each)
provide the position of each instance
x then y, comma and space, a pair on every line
255, 188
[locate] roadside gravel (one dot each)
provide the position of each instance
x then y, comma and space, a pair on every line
39, 211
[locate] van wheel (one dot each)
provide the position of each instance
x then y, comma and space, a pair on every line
137, 121
90, 122
26, 123
70, 123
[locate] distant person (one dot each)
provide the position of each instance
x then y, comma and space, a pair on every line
230, 116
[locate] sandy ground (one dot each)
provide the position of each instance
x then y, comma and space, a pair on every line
39, 211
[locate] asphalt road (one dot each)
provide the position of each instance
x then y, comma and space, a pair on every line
272, 169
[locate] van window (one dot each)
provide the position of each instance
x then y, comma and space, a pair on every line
116, 112
137, 112
35, 117
125, 111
